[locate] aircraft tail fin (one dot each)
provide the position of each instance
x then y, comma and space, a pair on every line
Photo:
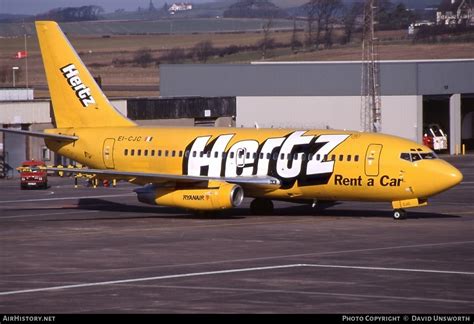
77, 99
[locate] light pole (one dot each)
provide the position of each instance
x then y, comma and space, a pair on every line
13, 71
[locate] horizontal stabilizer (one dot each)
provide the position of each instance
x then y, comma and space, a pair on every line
67, 138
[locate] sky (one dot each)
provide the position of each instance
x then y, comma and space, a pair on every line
32, 7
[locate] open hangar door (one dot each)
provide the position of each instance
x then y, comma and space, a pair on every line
436, 111
467, 121
15, 148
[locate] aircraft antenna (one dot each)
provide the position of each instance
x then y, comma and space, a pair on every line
370, 80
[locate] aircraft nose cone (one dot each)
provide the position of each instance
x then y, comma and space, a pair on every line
440, 177
453, 177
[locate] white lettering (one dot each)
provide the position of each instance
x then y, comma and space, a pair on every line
243, 158
284, 169
83, 93
319, 166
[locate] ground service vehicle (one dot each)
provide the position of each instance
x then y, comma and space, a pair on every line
208, 169
33, 175
435, 138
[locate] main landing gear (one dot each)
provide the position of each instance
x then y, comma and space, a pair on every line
261, 206
399, 214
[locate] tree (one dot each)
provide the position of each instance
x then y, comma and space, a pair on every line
151, 6
267, 42
254, 9
174, 55
143, 57
349, 19
203, 50
294, 42
321, 13
73, 13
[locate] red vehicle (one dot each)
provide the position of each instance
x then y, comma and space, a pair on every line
32, 176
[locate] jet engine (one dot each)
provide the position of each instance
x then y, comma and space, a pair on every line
222, 196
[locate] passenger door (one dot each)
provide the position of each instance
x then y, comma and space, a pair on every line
240, 157
372, 160
108, 153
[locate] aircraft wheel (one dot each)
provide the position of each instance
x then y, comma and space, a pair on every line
261, 206
399, 214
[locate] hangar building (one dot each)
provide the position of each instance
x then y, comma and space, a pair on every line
327, 94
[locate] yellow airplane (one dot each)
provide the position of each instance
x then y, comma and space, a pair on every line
214, 168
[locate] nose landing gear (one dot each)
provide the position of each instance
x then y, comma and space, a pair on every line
399, 214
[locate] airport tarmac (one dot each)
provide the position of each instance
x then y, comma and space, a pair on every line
85, 250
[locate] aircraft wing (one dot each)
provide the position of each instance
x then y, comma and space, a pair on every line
40, 134
256, 181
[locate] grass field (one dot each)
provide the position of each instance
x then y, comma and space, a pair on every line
98, 53
143, 27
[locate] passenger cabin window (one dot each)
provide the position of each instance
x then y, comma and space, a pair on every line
125, 152
356, 158
145, 152
139, 152
180, 153
349, 158
132, 152
152, 152
173, 153
159, 152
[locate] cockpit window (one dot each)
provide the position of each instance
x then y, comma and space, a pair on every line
428, 156
405, 156
416, 156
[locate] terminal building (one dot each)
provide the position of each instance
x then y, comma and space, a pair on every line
304, 95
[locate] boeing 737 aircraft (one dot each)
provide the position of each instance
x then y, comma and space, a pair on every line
215, 168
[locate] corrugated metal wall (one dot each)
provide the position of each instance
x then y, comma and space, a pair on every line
186, 107
315, 79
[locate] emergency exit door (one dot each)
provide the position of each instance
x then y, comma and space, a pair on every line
372, 160
108, 153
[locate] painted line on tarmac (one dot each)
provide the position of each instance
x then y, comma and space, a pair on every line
64, 198
66, 212
218, 272
388, 269
183, 275
312, 293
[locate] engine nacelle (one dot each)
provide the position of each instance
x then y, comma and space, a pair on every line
224, 196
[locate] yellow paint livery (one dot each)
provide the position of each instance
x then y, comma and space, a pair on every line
214, 168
